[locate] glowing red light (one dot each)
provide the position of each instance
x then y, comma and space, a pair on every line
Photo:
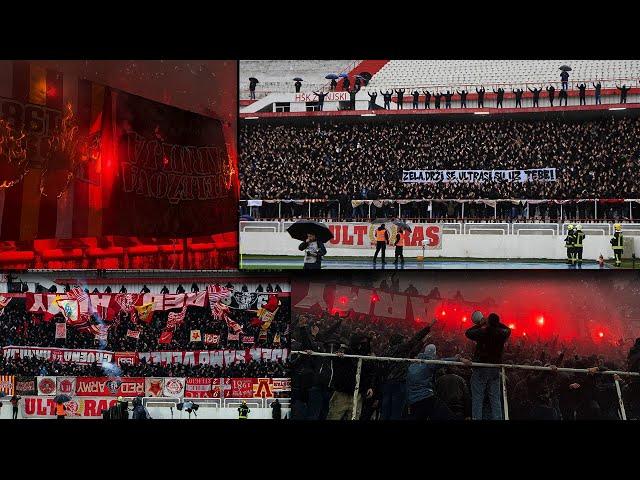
443, 313
524, 334
512, 326
51, 92
464, 319
540, 321
375, 298
601, 334
165, 161
343, 299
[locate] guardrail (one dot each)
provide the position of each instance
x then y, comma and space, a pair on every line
501, 366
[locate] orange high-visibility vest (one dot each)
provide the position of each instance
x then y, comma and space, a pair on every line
60, 409
380, 235
400, 242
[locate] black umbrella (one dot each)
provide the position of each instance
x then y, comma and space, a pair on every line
61, 398
565, 68
253, 79
297, 79
403, 225
301, 228
331, 76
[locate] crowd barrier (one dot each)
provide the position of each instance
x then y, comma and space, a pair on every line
502, 366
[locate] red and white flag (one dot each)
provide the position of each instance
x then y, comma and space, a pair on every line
195, 336
165, 337
248, 339
133, 334
219, 310
233, 336
4, 301
76, 293
211, 339
176, 319
61, 330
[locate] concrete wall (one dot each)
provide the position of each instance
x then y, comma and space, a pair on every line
465, 246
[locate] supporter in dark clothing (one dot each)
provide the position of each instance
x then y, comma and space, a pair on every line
145, 289
252, 88
427, 99
598, 90
386, 96
436, 100
416, 98
499, 96
463, 98
394, 376
582, 87
623, 93
536, 96
276, 410
480, 93
490, 336
452, 389
346, 84
400, 93
372, 100
518, 92
164, 290
551, 91
297, 85
320, 96
447, 99
563, 96
564, 77
333, 85
352, 99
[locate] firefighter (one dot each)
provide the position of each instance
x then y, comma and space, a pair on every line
399, 244
243, 411
617, 243
578, 246
568, 243
382, 240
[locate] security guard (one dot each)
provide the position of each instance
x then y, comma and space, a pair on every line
617, 243
243, 411
382, 240
399, 244
578, 246
568, 243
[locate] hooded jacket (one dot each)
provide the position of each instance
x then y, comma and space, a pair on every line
490, 340
421, 376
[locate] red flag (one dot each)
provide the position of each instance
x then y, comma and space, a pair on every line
133, 334
165, 337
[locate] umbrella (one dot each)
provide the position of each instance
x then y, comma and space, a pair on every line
331, 76
403, 225
297, 79
253, 79
565, 68
343, 75
61, 398
301, 228
247, 218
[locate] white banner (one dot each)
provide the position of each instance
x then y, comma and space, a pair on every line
46, 385
479, 176
174, 386
85, 407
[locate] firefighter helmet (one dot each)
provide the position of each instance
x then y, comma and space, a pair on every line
617, 227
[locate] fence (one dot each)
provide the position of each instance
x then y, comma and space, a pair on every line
502, 366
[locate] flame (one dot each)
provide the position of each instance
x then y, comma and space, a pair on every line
13, 147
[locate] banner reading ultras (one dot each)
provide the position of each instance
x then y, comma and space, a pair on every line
362, 235
479, 176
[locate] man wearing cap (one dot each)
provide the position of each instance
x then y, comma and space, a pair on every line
578, 246
490, 336
568, 243
617, 243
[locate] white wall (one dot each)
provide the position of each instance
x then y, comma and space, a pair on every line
465, 246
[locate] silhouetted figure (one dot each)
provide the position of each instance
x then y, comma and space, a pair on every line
145, 289
352, 99
320, 96
386, 96
416, 98
582, 87
598, 87
463, 98
333, 85
252, 88
437, 96
165, 290
623, 93
122, 289
297, 85
564, 78
518, 92
345, 84
551, 91
563, 96
194, 288
180, 289
108, 289
536, 96
447, 99
372, 100
427, 99
400, 93
480, 97
499, 96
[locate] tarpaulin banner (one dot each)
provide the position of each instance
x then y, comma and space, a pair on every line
353, 300
202, 387
136, 167
363, 235
173, 387
153, 386
62, 355
66, 386
7, 384
479, 176
46, 385
26, 386
76, 408
171, 171
109, 386
213, 357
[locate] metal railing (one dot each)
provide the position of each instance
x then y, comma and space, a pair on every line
502, 366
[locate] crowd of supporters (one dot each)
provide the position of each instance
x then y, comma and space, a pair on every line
19, 327
531, 394
595, 158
